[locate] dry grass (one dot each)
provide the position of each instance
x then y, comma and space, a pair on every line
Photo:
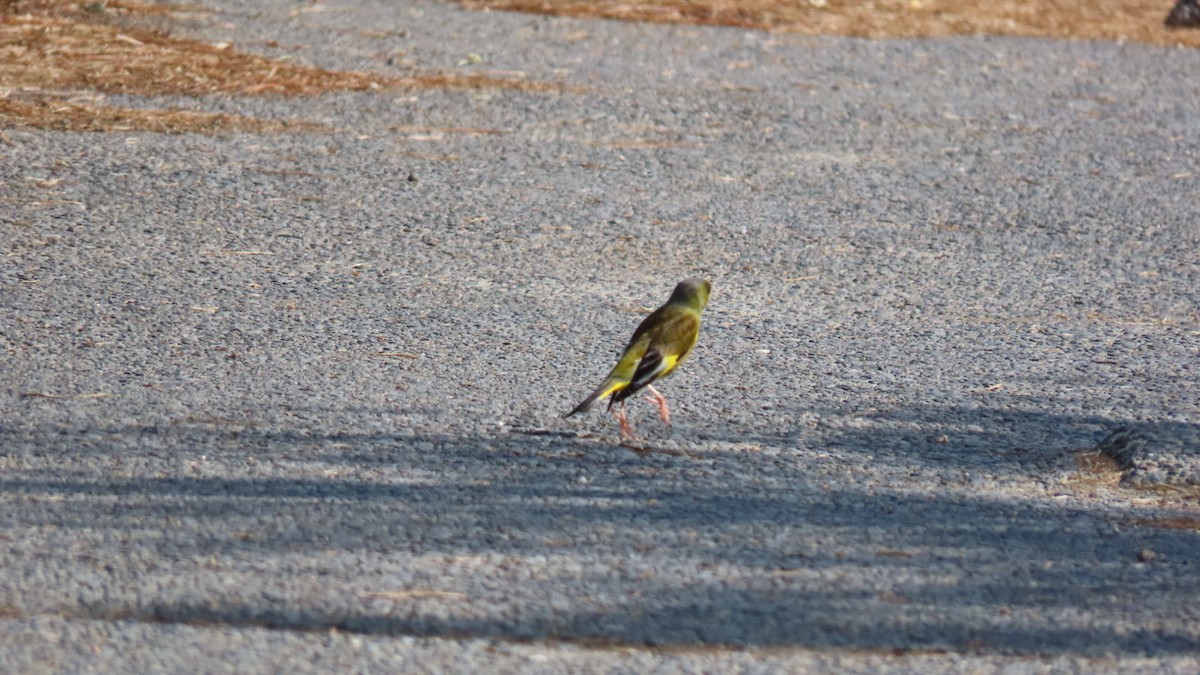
1131, 20
1097, 473
51, 50
39, 53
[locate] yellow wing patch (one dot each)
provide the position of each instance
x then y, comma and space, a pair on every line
669, 363
617, 386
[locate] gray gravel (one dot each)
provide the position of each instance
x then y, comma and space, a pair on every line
270, 405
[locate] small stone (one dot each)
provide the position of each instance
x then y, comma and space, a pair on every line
1185, 14
1146, 555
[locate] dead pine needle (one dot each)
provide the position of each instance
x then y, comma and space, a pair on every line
60, 397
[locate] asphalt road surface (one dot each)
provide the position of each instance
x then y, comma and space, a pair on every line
268, 404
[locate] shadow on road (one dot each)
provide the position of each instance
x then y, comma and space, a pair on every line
550, 536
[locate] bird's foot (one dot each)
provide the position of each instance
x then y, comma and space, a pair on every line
661, 401
626, 428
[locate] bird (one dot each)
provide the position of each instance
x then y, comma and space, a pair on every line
659, 344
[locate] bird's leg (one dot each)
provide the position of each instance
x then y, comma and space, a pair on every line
661, 401
626, 427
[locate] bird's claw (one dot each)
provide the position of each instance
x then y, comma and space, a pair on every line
661, 401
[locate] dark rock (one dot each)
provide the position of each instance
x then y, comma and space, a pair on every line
1185, 14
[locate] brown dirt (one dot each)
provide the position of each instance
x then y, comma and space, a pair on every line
50, 113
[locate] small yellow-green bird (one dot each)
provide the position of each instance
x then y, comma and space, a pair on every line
661, 342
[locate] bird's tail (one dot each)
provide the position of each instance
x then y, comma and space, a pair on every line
606, 389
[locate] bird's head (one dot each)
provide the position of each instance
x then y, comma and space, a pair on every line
692, 292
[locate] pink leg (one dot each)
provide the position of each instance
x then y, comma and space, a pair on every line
626, 427
661, 401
